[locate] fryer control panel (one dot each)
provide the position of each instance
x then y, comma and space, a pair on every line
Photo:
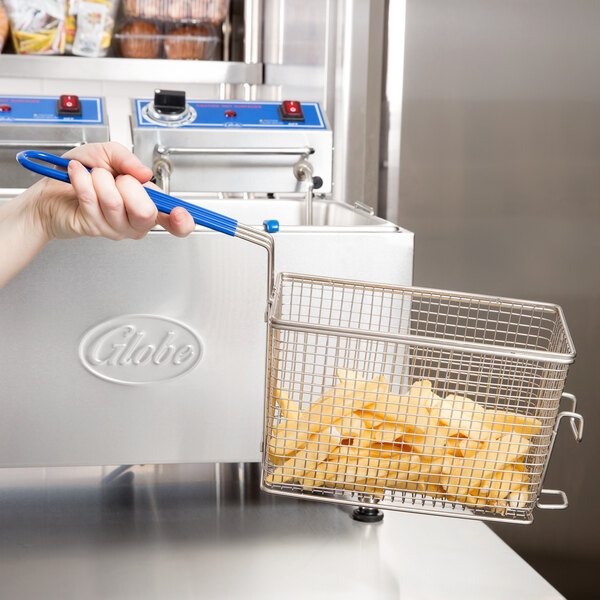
242, 115
64, 110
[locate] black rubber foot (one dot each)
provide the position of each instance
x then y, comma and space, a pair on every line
367, 515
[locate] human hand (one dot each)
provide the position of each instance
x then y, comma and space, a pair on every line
109, 202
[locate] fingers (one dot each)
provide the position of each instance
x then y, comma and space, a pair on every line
111, 156
111, 203
141, 211
114, 209
89, 220
119, 207
179, 222
127, 163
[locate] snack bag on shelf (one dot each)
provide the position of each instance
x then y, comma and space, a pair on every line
3, 26
90, 25
38, 26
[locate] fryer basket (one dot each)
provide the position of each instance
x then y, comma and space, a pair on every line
502, 362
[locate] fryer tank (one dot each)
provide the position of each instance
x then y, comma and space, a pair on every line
143, 352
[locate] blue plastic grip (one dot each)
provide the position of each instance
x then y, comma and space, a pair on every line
202, 216
271, 225
24, 160
164, 203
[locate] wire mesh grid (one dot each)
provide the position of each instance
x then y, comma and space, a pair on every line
411, 399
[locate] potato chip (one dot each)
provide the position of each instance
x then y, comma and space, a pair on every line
504, 482
461, 415
339, 401
467, 473
306, 460
501, 422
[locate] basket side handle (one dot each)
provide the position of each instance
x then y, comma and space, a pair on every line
575, 418
576, 422
564, 501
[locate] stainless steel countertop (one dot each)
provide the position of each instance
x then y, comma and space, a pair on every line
206, 531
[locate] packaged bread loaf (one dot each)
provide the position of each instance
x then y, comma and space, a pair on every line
131, 8
178, 10
213, 11
150, 9
187, 42
139, 39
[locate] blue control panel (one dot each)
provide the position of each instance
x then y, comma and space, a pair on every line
44, 109
237, 114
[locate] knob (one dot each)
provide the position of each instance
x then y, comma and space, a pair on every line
169, 109
169, 102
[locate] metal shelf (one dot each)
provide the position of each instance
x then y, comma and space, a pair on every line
129, 69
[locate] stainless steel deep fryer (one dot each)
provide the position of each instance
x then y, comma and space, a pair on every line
400, 397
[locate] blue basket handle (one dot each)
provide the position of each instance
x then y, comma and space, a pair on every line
164, 203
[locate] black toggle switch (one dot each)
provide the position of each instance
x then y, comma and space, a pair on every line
169, 102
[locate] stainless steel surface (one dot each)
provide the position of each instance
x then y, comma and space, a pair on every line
203, 160
162, 169
335, 217
253, 23
129, 69
15, 137
303, 171
358, 80
167, 119
177, 532
499, 180
368, 209
11, 174
391, 117
87, 403
502, 354
41, 145
166, 151
331, 51
576, 421
264, 240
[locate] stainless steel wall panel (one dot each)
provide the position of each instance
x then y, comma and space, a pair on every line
334, 51
500, 181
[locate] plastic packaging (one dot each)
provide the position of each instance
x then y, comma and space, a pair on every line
90, 25
3, 26
37, 26
140, 39
212, 11
144, 39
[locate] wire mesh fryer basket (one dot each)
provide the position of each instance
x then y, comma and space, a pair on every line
412, 399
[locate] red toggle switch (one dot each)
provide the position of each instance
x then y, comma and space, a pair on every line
291, 110
5, 107
68, 106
